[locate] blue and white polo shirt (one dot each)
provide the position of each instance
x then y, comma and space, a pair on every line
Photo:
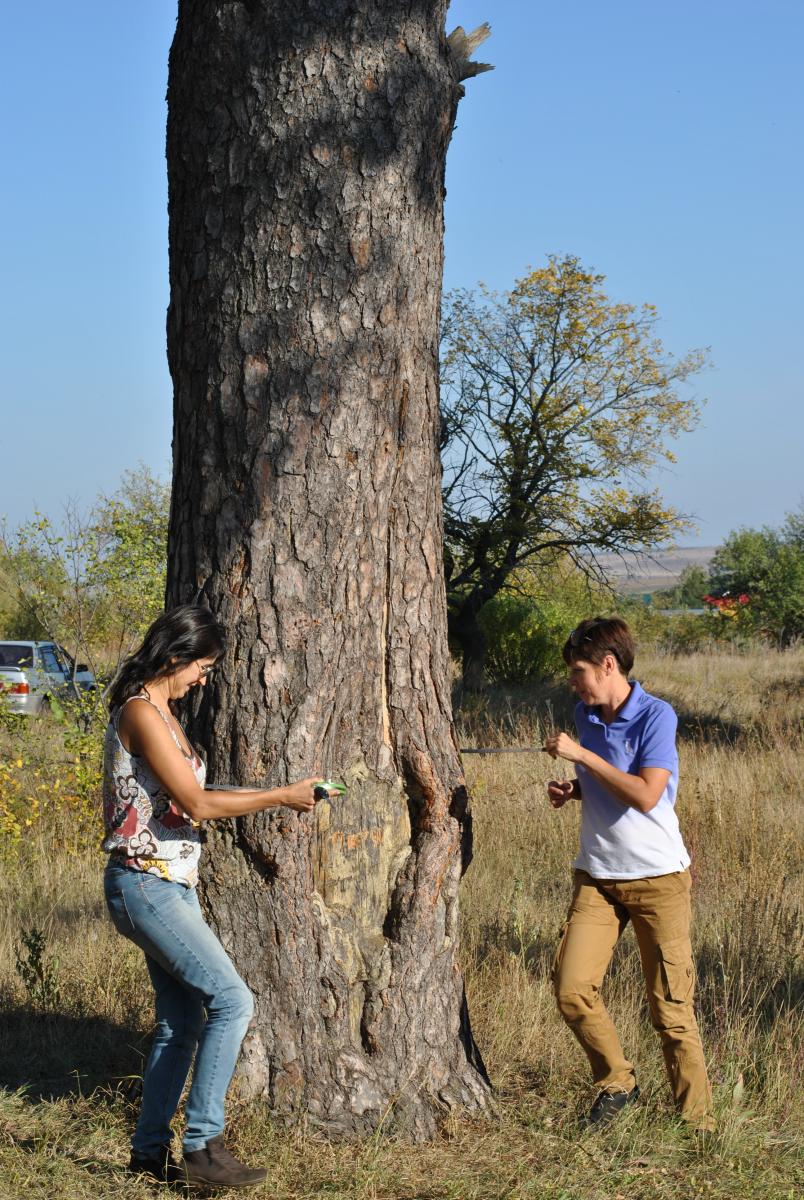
617, 841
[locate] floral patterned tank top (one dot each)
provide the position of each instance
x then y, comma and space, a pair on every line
144, 828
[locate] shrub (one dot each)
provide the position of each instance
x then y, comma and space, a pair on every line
766, 566
526, 625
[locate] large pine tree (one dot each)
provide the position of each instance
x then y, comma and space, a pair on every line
306, 152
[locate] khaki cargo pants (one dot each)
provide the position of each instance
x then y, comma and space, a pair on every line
659, 910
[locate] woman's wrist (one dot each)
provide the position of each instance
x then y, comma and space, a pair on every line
277, 797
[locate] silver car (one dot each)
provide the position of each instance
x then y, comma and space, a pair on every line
32, 672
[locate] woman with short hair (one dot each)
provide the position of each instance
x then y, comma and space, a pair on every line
632, 866
153, 802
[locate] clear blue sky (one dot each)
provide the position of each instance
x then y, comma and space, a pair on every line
661, 143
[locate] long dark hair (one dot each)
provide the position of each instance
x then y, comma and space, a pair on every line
176, 639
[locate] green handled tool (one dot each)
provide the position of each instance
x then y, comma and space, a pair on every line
321, 790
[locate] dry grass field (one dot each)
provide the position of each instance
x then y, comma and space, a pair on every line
69, 1058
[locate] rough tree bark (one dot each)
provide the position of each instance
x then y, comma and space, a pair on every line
306, 151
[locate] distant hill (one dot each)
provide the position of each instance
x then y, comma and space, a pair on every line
653, 572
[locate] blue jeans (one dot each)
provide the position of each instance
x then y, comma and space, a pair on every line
192, 976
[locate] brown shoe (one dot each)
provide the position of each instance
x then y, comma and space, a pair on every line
214, 1166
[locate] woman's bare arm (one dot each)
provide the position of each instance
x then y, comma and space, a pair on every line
642, 791
145, 734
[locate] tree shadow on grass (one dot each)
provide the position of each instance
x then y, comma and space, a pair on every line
763, 983
52, 1055
710, 728
105, 1170
498, 714
500, 710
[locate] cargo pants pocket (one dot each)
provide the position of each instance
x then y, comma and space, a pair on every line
678, 972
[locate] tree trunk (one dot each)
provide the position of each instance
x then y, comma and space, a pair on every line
306, 150
467, 631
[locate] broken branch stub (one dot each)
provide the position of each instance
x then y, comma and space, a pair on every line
462, 45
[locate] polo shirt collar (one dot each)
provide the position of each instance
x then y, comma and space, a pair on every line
628, 711
633, 704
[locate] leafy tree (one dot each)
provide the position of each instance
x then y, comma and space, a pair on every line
526, 624
689, 592
130, 566
556, 402
767, 566
18, 619
793, 528
39, 596
90, 583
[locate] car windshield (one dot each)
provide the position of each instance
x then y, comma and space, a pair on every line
13, 655
50, 662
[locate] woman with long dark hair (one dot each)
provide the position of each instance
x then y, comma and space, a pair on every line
153, 801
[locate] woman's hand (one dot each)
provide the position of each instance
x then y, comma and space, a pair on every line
300, 796
641, 791
152, 740
559, 791
561, 745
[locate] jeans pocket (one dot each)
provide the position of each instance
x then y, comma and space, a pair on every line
116, 904
678, 972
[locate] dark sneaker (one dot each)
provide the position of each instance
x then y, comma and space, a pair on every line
160, 1165
608, 1106
214, 1166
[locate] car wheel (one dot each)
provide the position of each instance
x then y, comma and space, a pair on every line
44, 707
